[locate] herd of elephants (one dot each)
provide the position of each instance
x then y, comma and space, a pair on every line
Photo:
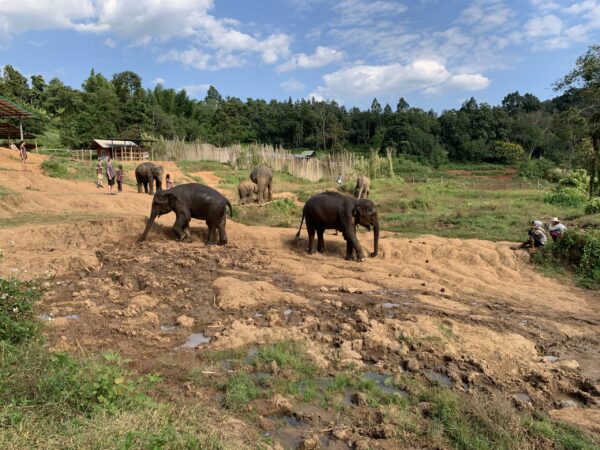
325, 211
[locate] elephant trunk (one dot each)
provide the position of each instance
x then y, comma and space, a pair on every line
153, 215
375, 239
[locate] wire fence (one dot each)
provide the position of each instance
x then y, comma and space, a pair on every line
486, 183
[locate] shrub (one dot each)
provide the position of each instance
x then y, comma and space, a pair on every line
579, 179
17, 318
538, 168
507, 152
566, 196
593, 206
55, 168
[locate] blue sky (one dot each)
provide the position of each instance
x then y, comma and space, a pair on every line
434, 53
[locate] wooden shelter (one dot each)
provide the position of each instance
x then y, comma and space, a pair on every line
119, 149
10, 110
8, 131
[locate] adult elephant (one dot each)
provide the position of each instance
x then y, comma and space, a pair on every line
192, 200
147, 174
332, 210
262, 176
247, 191
363, 187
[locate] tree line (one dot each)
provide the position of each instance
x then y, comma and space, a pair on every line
521, 126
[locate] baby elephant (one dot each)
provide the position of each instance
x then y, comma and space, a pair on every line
334, 211
247, 192
189, 201
363, 187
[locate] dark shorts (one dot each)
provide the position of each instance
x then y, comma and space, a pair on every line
111, 181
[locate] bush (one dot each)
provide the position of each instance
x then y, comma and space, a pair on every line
55, 168
579, 179
580, 250
17, 318
538, 169
507, 152
593, 206
566, 196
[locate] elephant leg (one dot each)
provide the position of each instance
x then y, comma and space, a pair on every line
222, 232
270, 193
311, 239
320, 240
139, 186
181, 228
212, 231
351, 234
349, 248
145, 183
151, 184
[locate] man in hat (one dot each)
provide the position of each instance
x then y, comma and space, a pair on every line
557, 230
537, 238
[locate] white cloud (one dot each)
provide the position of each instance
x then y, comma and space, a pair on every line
353, 12
366, 81
542, 26
196, 90
486, 15
292, 85
315, 96
158, 80
322, 56
110, 43
190, 57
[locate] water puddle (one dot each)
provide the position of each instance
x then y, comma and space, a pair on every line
45, 317
568, 401
258, 314
72, 316
287, 312
387, 305
194, 340
167, 328
438, 377
523, 397
383, 382
550, 358
252, 352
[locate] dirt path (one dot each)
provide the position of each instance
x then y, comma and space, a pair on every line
474, 312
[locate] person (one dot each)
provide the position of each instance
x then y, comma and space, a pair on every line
340, 181
13, 146
99, 177
120, 176
23, 154
169, 181
537, 238
110, 176
557, 230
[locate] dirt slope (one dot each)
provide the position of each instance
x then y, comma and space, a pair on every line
497, 319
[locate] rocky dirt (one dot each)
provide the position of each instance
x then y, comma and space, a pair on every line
467, 313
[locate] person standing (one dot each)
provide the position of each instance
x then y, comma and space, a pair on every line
23, 154
169, 181
99, 177
110, 176
557, 230
120, 176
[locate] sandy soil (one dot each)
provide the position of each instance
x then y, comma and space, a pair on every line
475, 311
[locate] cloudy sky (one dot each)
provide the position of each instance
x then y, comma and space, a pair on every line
435, 53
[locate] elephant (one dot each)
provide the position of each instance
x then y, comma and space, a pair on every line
191, 200
146, 174
363, 185
247, 191
262, 176
332, 210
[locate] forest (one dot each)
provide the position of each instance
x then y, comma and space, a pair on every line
521, 127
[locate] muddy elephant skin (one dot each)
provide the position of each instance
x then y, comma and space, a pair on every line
146, 174
262, 176
363, 187
247, 192
192, 201
334, 211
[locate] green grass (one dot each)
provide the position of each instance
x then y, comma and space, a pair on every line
240, 390
39, 219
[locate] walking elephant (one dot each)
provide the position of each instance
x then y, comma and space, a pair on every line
146, 174
247, 191
262, 176
363, 187
191, 201
332, 210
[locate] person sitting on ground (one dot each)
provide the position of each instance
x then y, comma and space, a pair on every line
120, 176
99, 177
537, 238
110, 177
23, 154
169, 181
557, 230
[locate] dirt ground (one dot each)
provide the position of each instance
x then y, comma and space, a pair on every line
483, 318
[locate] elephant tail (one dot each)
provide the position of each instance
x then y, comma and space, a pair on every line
230, 208
299, 228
